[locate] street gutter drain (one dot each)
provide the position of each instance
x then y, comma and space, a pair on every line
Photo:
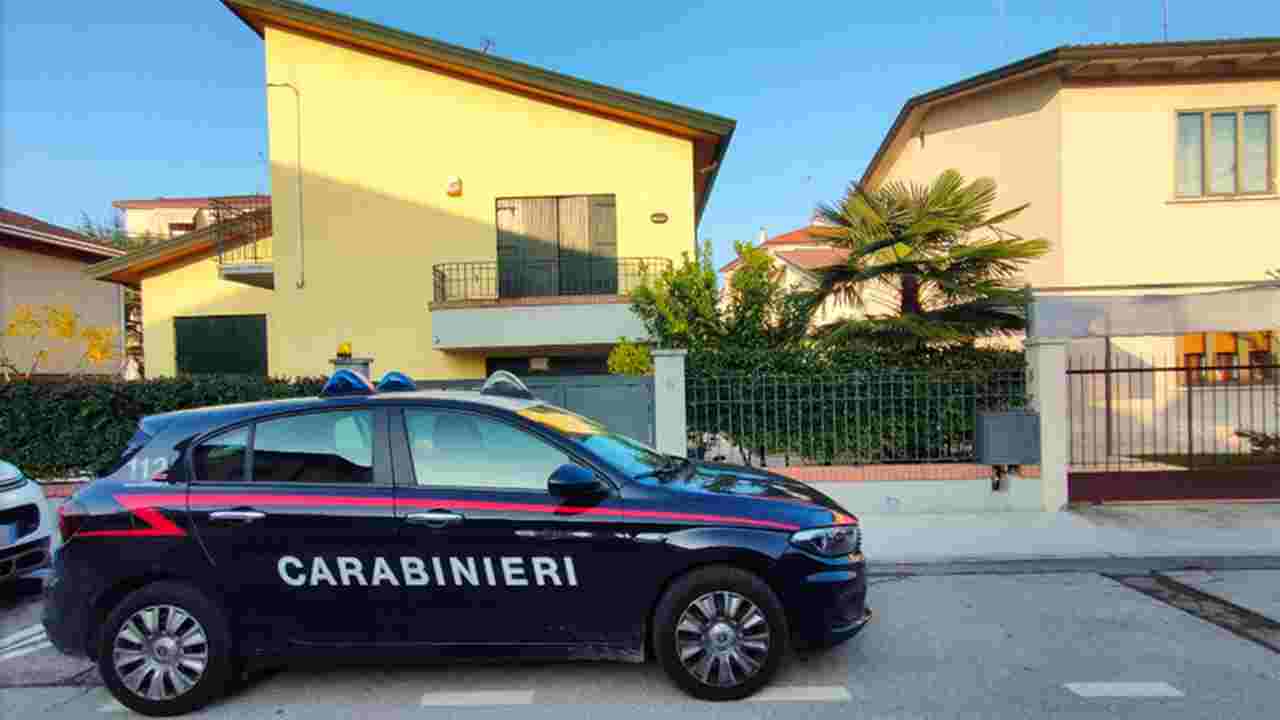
1211, 608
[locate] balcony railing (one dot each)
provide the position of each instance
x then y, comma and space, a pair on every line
502, 279
241, 226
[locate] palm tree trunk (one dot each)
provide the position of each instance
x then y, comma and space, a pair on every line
910, 304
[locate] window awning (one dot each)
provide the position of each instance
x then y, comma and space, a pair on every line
1172, 311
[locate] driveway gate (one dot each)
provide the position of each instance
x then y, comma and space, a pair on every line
1145, 431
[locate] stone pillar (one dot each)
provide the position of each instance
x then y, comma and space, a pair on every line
1047, 386
670, 436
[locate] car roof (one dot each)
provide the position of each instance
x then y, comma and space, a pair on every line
217, 414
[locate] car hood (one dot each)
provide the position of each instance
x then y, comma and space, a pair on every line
765, 492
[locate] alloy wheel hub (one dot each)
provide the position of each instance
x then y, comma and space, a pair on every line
722, 639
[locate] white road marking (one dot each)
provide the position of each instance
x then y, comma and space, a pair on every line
24, 633
1124, 689
478, 697
802, 693
113, 706
25, 651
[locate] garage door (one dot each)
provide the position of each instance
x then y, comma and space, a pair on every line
221, 344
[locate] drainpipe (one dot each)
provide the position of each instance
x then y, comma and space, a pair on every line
297, 116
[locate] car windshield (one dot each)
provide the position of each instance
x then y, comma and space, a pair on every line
630, 456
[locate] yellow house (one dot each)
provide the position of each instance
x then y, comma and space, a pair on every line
446, 211
1143, 164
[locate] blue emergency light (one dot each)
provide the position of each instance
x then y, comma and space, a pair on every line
347, 382
396, 381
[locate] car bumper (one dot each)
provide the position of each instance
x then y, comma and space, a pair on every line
28, 536
826, 598
66, 612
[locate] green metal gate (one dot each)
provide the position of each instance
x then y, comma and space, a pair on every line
221, 344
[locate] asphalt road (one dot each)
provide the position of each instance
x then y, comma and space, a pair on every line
1061, 644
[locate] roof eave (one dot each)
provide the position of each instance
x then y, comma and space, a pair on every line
87, 247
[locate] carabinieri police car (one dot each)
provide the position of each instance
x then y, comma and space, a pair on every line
388, 523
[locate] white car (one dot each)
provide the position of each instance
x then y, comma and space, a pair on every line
28, 529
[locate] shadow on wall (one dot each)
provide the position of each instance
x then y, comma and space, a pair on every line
1015, 99
368, 278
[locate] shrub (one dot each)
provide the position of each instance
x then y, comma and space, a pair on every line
630, 358
63, 428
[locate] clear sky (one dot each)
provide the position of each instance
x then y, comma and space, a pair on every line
103, 100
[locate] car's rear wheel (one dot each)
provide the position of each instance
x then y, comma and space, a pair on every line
720, 633
165, 650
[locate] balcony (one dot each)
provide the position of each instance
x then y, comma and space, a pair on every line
241, 229
489, 282
565, 303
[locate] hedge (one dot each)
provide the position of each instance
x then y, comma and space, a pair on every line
65, 428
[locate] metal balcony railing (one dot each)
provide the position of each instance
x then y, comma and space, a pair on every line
241, 227
502, 279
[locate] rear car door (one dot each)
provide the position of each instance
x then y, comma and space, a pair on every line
505, 561
293, 511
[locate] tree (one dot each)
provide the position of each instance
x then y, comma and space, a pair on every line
939, 252
751, 326
113, 233
59, 325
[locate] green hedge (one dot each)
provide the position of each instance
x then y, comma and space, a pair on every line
65, 428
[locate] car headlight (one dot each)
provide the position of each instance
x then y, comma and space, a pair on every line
829, 541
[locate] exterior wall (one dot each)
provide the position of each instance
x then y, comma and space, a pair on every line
192, 287
155, 221
547, 325
1120, 220
380, 140
1011, 134
28, 278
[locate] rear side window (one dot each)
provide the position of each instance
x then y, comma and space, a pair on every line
220, 459
316, 448
137, 442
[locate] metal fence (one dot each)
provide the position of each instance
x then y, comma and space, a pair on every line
871, 417
1131, 413
491, 280
241, 225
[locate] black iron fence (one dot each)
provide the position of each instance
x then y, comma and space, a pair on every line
880, 416
492, 280
241, 226
1130, 413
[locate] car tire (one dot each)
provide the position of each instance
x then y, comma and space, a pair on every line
720, 616
175, 635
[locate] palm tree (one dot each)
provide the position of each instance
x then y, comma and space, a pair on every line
938, 252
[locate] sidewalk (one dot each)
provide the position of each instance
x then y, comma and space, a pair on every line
1110, 531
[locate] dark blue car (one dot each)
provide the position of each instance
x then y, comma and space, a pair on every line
379, 524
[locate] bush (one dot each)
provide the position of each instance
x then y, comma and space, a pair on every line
630, 358
64, 428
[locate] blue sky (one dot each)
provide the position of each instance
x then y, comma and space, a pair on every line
108, 100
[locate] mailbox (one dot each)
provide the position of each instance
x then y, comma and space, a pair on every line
1011, 437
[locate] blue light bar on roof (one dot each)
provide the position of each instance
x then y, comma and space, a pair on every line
347, 382
396, 381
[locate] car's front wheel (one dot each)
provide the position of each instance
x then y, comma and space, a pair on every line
165, 650
720, 633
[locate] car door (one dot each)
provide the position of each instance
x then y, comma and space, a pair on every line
294, 511
504, 561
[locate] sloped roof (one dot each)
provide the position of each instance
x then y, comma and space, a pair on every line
709, 133
128, 269
1170, 61
799, 236
38, 235
814, 258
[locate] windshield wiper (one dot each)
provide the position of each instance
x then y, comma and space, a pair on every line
672, 466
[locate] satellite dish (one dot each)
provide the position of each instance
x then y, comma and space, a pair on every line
505, 384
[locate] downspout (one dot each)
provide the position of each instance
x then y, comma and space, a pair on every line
297, 116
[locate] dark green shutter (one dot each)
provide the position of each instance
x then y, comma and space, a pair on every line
221, 344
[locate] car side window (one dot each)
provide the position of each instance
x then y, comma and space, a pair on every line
457, 449
321, 448
220, 459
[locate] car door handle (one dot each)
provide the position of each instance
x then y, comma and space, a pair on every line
242, 517
434, 518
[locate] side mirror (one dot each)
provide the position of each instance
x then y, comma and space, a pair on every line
571, 480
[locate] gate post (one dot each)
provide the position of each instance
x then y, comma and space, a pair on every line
1047, 387
669, 410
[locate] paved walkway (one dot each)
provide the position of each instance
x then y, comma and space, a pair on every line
1107, 531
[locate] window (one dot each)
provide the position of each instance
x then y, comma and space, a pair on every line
1224, 152
316, 448
456, 449
1215, 358
557, 246
221, 459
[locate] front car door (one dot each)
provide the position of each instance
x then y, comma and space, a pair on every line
293, 511
497, 559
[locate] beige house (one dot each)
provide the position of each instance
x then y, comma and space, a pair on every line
168, 217
798, 257
43, 264
1143, 164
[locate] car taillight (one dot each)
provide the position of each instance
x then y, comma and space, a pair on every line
70, 516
